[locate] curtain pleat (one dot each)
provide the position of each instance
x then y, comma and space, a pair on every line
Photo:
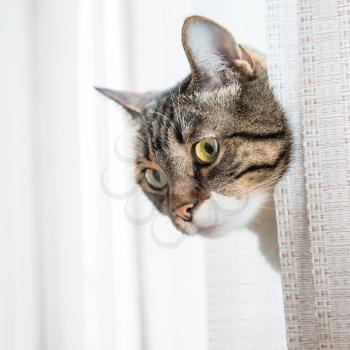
309, 51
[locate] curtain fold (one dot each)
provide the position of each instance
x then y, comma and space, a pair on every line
19, 274
309, 50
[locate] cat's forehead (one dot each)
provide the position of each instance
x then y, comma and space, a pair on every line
165, 131
188, 116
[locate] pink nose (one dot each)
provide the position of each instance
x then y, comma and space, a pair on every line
184, 211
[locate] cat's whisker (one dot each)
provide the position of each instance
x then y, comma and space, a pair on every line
270, 182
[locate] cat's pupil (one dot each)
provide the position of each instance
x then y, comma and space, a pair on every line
208, 148
156, 175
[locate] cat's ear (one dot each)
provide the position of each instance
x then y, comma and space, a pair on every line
133, 102
213, 52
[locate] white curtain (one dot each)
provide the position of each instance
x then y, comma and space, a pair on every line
85, 260
309, 66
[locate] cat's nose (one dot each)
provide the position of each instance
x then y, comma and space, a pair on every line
184, 211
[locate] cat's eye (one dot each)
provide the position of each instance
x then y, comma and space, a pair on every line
206, 150
156, 179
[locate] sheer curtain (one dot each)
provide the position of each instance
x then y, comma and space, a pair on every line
309, 50
86, 263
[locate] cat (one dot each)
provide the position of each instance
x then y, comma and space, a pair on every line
210, 150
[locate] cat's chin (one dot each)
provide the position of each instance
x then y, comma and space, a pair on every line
213, 231
216, 231
220, 215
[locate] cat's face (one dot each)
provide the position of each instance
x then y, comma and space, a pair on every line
210, 150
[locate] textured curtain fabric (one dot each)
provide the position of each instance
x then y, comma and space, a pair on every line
85, 264
309, 55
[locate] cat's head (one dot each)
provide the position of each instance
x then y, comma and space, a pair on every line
211, 149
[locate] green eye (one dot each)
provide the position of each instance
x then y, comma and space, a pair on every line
155, 178
206, 151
